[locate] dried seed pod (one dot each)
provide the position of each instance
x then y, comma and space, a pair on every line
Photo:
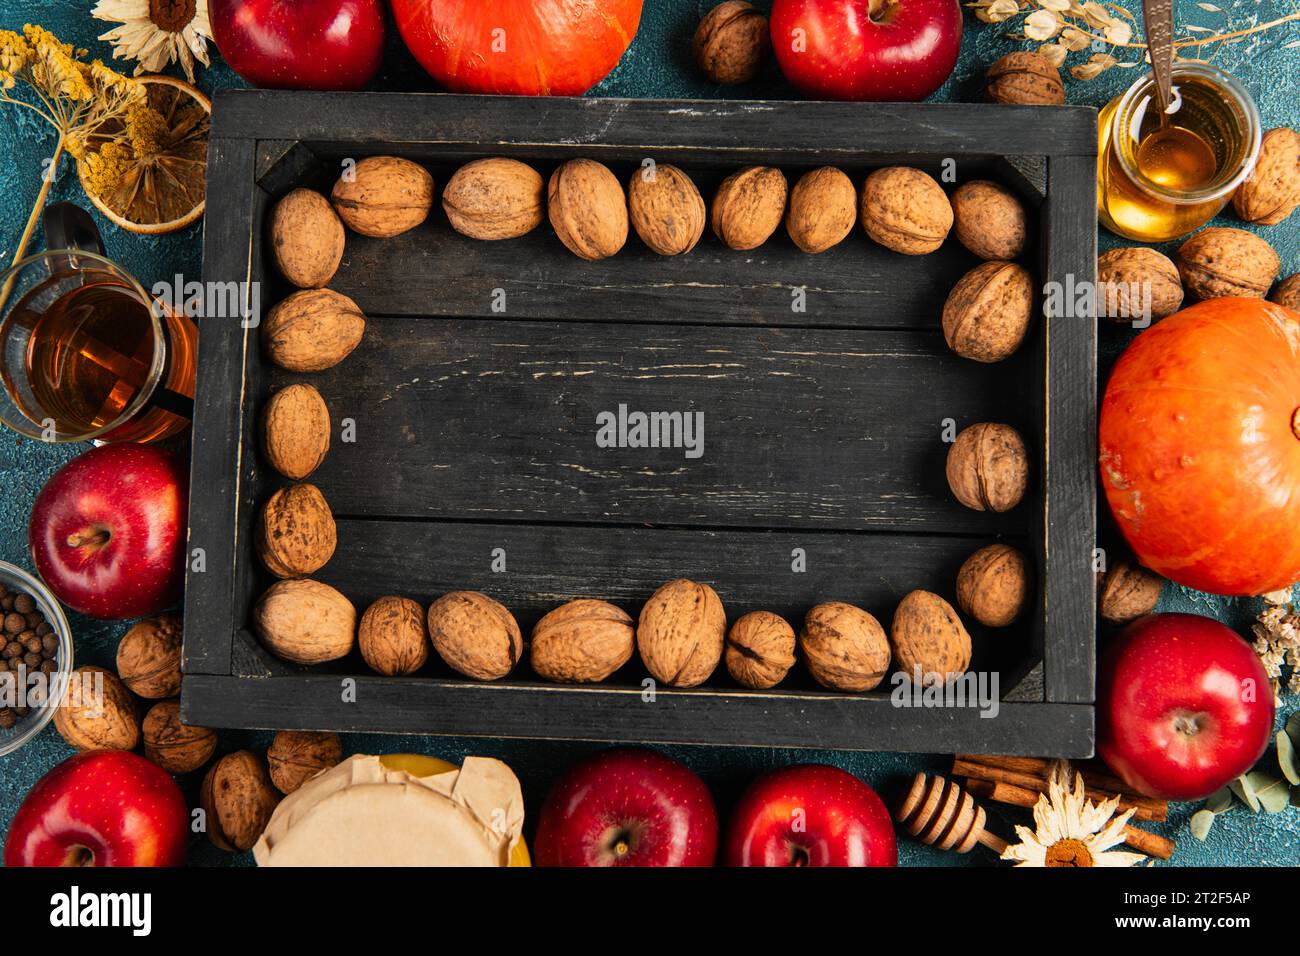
667, 210
844, 647
238, 800
295, 756
583, 641
1025, 78
989, 220
1125, 277
1272, 190
987, 314
172, 745
748, 207
993, 585
89, 719
296, 534
1127, 591
1227, 262
731, 43
306, 238
312, 330
905, 210
495, 198
475, 635
587, 209
988, 467
760, 649
929, 639
680, 633
149, 657
296, 431
383, 196
823, 208
392, 637
305, 621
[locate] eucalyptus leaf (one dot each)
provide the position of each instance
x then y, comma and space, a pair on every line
1219, 801
1287, 759
1271, 792
1245, 792
1202, 820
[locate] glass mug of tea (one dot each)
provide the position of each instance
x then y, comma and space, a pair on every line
85, 353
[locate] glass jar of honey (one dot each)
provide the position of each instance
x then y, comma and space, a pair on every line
1158, 181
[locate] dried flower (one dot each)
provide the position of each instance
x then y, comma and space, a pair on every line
157, 34
1070, 830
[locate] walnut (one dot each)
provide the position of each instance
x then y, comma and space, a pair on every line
1219, 261
583, 641
295, 534
306, 238
1272, 191
312, 330
905, 210
97, 712
383, 196
392, 638
823, 208
172, 745
666, 208
475, 635
760, 649
295, 756
1025, 78
149, 657
1125, 275
989, 220
988, 467
993, 585
680, 633
1126, 591
237, 800
296, 431
495, 198
731, 43
748, 207
844, 647
305, 622
587, 209
987, 314
929, 639
1287, 292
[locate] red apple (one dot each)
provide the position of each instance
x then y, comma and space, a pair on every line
103, 808
1183, 706
108, 531
858, 50
301, 44
628, 807
810, 815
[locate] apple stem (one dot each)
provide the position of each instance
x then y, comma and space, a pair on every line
94, 539
875, 8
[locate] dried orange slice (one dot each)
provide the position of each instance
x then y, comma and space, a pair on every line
151, 178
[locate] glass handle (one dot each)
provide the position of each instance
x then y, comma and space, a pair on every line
68, 226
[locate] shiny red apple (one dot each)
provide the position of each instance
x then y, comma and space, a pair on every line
301, 44
884, 50
103, 808
107, 531
810, 815
1183, 706
628, 807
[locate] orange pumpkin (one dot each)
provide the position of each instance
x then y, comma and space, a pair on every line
1200, 446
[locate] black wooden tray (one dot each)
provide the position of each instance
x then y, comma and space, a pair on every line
475, 429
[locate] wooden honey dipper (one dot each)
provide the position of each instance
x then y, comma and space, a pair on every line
940, 813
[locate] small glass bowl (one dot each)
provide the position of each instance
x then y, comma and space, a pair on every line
19, 581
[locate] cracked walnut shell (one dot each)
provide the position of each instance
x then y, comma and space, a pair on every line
587, 209
305, 621
495, 198
989, 220
391, 636
296, 431
306, 238
929, 639
312, 330
993, 585
760, 649
90, 720
296, 534
581, 642
988, 467
172, 745
383, 196
1227, 262
748, 207
680, 633
667, 210
237, 800
1025, 78
905, 210
1126, 276
844, 647
475, 635
823, 208
295, 756
1272, 190
987, 314
731, 42
149, 657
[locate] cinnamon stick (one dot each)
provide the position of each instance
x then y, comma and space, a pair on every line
1094, 775
1144, 808
1152, 844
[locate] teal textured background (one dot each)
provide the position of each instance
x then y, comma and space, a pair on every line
657, 65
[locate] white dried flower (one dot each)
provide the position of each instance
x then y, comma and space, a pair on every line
1054, 53
998, 11
1097, 64
1119, 32
1074, 39
1042, 25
